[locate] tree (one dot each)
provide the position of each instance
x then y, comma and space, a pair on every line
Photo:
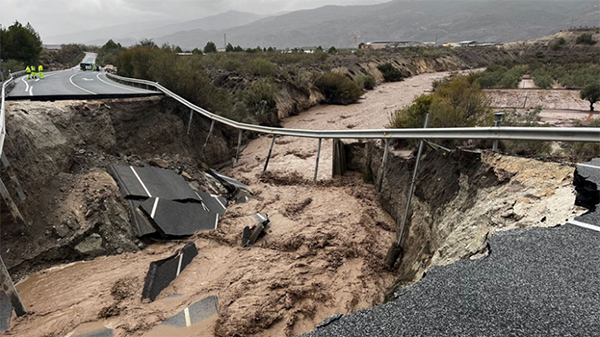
390, 73
591, 93
210, 47
229, 48
178, 50
332, 50
21, 43
147, 43
238, 49
197, 51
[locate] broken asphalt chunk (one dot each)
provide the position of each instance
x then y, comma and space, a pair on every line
213, 202
195, 313
173, 218
163, 272
149, 182
252, 233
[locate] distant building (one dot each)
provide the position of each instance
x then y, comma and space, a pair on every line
389, 44
52, 46
467, 44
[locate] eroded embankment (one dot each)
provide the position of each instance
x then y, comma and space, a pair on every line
462, 198
60, 152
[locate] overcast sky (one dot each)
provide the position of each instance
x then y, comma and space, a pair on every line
57, 17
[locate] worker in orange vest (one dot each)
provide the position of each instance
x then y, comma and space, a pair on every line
41, 71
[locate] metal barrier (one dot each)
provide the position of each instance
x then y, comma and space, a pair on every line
492, 133
3, 114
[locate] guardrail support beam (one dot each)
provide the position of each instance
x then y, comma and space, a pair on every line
269, 154
13, 177
317, 161
396, 250
12, 207
11, 291
190, 121
212, 125
497, 120
386, 152
239, 147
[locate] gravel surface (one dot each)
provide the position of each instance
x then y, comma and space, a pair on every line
535, 282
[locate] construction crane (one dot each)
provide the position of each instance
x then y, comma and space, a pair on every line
356, 41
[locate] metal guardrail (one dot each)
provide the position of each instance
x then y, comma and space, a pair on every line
570, 134
3, 114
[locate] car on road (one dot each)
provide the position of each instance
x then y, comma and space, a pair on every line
109, 68
88, 66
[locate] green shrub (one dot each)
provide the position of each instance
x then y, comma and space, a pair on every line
543, 81
457, 101
390, 73
261, 67
585, 38
582, 152
530, 118
260, 98
230, 64
338, 89
591, 93
366, 82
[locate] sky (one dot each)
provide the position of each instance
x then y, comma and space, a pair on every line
58, 17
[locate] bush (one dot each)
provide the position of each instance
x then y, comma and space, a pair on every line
262, 67
338, 89
530, 118
260, 98
585, 38
366, 82
230, 64
456, 102
390, 73
543, 81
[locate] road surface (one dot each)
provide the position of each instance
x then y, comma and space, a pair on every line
72, 84
535, 282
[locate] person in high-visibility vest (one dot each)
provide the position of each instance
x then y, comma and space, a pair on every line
33, 72
28, 71
41, 71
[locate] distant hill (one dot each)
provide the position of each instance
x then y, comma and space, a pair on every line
420, 20
131, 33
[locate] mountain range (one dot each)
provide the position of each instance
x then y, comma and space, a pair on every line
415, 20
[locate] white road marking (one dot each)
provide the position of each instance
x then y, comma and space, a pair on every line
588, 165
584, 225
154, 208
88, 79
78, 87
31, 91
186, 312
26, 84
141, 182
179, 264
219, 200
261, 217
119, 86
216, 220
202, 202
37, 79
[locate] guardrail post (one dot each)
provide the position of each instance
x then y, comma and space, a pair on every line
190, 121
11, 291
239, 146
269, 154
212, 125
394, 252
14, 210
317, 162
386, 152
497, 120
13, 176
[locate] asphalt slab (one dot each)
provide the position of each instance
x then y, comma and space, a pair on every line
173, 218
535, 282
162, 272
148, 182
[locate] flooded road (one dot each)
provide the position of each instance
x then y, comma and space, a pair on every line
322, 254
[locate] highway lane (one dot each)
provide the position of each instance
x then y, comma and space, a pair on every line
73, 82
